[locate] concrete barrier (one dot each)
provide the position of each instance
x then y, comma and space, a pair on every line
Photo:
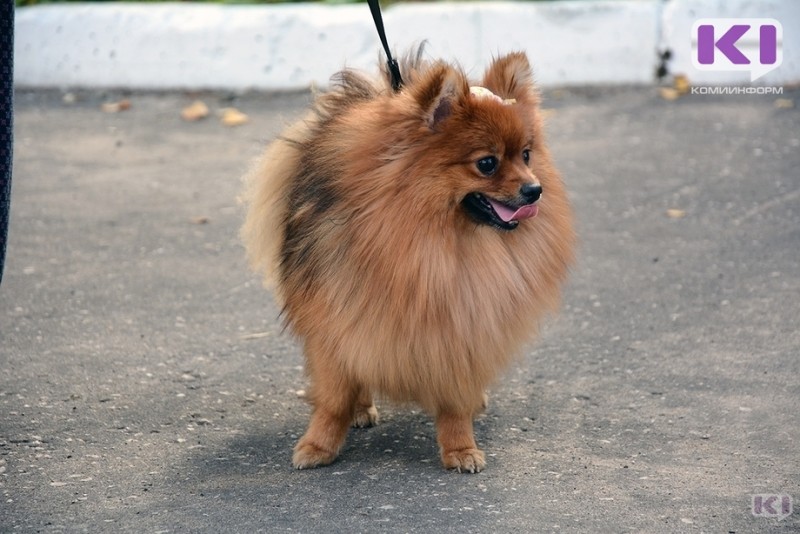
293, 46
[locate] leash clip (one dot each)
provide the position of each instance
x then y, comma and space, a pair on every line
391, 63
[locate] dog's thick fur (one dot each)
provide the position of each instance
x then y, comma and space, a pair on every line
355, 216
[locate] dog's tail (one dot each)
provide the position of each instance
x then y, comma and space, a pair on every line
266, 194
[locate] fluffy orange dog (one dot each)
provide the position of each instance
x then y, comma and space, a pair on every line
415, 240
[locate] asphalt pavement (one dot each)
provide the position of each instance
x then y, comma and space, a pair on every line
146, 385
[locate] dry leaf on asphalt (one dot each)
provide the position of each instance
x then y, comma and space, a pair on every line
681, 84
674, 213
680, 87
668, 93
233, 117
195, 111
116, 107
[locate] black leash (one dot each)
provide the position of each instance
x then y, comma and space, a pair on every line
394, 68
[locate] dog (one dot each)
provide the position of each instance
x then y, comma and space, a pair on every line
414, 239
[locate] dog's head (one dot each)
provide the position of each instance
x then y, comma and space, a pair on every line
483, 141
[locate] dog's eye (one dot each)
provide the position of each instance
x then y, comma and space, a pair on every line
526, 156
488, 165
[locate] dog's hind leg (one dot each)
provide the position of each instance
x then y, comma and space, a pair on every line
366, 414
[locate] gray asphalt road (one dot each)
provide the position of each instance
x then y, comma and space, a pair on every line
146, 386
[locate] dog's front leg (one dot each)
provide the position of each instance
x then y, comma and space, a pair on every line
457, 442
333, 398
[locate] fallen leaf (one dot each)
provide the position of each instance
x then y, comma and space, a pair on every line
668, 93
116, 107
195, 111
784, 103
681, 84
673, 213
233, 117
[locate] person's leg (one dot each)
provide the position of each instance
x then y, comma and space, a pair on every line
6, 118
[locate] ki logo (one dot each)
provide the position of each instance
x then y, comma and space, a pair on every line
753, 45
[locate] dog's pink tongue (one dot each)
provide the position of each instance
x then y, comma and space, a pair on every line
507, 214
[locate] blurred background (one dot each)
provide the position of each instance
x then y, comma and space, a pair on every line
293, 46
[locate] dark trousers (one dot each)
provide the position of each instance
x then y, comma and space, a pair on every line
6, 118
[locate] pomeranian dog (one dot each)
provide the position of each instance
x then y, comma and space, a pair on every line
415, 239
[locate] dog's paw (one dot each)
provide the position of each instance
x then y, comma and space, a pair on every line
308, 456
464, 461
365, 417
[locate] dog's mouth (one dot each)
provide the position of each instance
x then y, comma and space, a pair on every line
484, 209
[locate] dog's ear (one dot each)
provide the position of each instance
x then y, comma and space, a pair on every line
437, 92
511, 77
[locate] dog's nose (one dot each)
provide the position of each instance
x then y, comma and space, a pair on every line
530, 192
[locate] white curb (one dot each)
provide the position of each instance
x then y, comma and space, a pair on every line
293, 46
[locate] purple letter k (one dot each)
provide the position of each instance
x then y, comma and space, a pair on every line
726, 44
